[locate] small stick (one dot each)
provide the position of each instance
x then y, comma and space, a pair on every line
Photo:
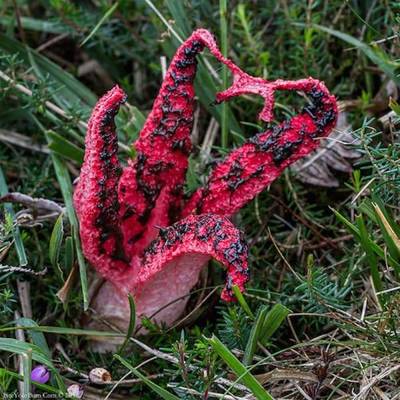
10, 268
52, 41
33, 203
163, 62
24, 289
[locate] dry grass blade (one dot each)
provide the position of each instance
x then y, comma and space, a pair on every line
365, 389
23, 141
62, 294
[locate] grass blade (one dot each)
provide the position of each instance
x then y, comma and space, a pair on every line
56, 239
132, 323
254, 337
15, 346
182, 22
394, 226
372, 260
101, 22
391, 238
158, 389
351, 227
27, 369
266, 324
377, 249
242, 301
273, 321
69, 253
239, 369
38, 25
64, 331
65, 148
19, 244
37, 337
380, 59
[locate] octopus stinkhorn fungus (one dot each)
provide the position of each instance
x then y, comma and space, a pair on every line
137, 229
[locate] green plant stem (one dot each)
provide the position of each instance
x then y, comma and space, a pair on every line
224, 50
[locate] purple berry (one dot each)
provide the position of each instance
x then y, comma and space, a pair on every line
40, 374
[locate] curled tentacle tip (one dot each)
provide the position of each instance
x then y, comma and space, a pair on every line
115, 95
228, 296
203, 31
117, 89
227, 293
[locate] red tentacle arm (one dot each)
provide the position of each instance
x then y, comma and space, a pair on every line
172, 263
95, 197
250, 169
151, 189
170, 268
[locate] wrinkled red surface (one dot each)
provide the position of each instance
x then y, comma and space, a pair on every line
255, 165
136, 228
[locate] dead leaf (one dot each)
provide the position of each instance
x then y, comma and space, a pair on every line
334, 154
62, 294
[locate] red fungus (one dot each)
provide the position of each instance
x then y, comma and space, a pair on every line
136, 228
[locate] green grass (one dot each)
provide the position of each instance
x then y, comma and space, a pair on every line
329, 255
